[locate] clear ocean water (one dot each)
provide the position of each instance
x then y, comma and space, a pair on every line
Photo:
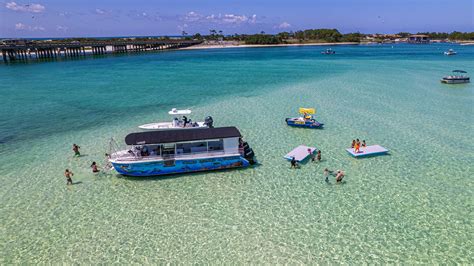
412, 206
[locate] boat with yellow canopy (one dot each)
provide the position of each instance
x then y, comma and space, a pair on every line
306, 120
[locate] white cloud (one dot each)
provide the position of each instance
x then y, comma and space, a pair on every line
220, 18
284, 25
231, 18
143, 15
253, 19
21, 26
99, 11
61, 28
36, 28
193, 17
33, 8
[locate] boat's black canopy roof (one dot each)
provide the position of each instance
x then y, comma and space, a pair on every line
459, 71
181, 135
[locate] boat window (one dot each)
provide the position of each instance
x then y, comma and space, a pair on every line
168, 150
193, 147
154, 150
217, 145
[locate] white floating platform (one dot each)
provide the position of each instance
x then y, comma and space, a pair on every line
367, 151
300, 153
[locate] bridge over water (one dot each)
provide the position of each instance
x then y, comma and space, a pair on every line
50, 50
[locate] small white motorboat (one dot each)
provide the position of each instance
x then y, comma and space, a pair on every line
458, 77
179, 121
329, 51
450, 52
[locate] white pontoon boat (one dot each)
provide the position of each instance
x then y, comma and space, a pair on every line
458, 77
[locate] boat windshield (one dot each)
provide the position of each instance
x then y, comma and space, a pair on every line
175, 111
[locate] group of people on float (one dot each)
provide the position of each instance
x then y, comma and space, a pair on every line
356, 144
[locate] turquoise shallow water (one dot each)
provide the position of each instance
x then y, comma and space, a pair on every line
413, 206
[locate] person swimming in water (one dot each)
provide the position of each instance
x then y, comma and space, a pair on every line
76, 148
94, 167
68, 174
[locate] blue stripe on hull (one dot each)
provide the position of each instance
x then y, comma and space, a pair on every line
180, 166
307, 124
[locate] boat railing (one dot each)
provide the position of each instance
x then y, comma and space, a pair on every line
130, 156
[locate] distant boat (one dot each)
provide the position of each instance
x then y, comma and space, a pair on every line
457, 77
450, 52
328, 51
177, 122
306, 120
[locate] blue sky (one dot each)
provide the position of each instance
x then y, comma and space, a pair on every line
70, 18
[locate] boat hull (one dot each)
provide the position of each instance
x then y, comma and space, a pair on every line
179, 166
307, 124
455, 81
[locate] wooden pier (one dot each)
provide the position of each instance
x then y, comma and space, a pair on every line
27, 50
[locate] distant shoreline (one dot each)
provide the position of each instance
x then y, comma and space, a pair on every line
224, 46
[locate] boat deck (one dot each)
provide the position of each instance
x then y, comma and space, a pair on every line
368, 151
300, 153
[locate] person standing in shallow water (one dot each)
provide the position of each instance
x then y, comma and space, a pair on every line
326, 175
339, 176
319, 156
294, 164
94, 167
76, 148
68, 174
311, 154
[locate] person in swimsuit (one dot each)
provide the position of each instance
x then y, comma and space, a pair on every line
363, 144
353, 143
76, 148
319, 155
339, 176
294, 163
326, 174
357, 146
312, 155
94, 167
68, 174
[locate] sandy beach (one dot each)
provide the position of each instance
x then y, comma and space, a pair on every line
233, 45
